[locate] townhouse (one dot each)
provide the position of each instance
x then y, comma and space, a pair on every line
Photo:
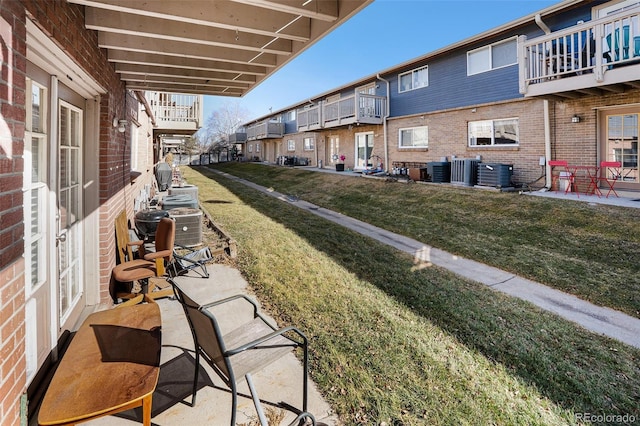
563, 83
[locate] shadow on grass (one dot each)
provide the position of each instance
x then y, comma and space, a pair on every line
576, 369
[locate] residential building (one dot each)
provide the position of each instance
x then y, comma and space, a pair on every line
92, 95
563, 83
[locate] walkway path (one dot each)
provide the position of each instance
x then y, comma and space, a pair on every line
598, 319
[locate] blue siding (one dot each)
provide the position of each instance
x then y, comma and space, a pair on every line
290, 127
449, 85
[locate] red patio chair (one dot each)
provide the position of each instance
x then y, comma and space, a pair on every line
610, 173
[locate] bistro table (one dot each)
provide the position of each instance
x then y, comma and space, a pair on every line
585, 177
111, 365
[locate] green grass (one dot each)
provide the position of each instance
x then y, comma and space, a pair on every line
401, 344
591, 251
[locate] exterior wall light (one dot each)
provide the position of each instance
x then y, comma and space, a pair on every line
575, 118
122, 126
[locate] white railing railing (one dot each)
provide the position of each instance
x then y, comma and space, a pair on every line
265, 129
359, 107
309, 117
175, 107
591, 47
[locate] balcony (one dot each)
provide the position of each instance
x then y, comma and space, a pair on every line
265, 130
591, 58
359, 108
237, 137
175, 112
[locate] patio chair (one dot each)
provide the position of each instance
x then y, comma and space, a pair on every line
151, 265
562, 174
241, 352
611, 173
188, 259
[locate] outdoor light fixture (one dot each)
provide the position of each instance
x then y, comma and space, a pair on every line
121, 125
575, 118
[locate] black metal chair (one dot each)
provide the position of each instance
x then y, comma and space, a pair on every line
243, 351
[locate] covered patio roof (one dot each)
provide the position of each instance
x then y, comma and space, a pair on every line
209, 47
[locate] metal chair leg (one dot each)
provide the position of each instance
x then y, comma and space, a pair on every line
256, 401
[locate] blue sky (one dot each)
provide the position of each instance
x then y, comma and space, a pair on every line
384, 34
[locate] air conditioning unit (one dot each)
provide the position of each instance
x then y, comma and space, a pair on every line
498, 175
440, 171
188, 226
464, 171
191, 190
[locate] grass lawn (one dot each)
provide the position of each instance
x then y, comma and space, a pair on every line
396, 344
591, 251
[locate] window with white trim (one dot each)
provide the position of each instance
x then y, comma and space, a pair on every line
257, 148
35, 186
135, 147
309, 144
413, 79
494, 132
493, 56
250, 148
291, 145
413, 137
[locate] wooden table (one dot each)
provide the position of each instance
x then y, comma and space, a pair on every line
111, 365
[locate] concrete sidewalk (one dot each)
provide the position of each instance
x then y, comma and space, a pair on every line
598, 319
280, 382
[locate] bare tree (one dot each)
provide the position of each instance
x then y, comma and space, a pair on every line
221, 123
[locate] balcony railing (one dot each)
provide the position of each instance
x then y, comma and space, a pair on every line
175, 110
237, 137
265, 130
357, 108
309, 118
593, 53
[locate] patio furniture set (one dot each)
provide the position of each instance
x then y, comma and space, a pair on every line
113, 362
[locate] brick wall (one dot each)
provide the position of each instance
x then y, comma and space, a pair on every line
12, 127
63, 22
448, 135
576, 142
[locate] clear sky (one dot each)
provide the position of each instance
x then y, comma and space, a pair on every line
384, 34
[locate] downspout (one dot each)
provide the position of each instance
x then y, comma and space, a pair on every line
541, 24
384, 126
547, 143
547, 118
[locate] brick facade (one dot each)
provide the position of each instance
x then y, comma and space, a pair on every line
448, 137
64, 24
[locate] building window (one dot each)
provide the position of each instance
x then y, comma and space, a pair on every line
414, 79
309, 144
494, 132
257, 148
291, 145
290, 116
491, 57
414, 137
250, 148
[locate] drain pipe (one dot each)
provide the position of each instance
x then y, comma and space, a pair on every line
384, 126
541, 24
547, 120
547, 144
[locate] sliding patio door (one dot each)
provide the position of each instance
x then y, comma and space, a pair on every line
364, 148
621, 144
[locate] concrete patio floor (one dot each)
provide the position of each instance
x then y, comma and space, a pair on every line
280, 382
